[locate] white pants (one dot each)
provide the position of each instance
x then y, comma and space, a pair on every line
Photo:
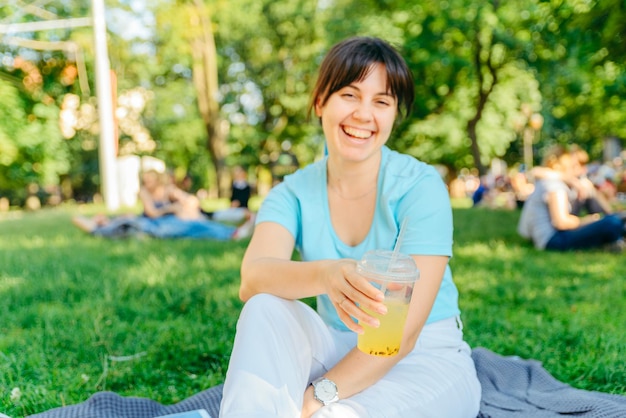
282, 345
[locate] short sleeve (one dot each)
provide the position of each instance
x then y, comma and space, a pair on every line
415, 191
281, 206
427, 207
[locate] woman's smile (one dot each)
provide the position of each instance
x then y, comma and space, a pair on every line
357, 132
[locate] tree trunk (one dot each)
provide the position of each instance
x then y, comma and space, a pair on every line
483, 96
206, 83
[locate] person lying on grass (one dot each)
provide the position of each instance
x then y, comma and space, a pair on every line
168, 212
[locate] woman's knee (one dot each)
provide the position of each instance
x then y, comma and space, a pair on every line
613, 226
264, 307
262, 301
259, 303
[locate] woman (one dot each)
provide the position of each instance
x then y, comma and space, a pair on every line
168, 212
547, 217
333, 211
159, 196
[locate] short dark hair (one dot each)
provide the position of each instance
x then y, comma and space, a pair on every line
352, 59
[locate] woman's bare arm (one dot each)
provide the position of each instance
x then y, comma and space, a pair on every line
357, 370
267, 267
560, 216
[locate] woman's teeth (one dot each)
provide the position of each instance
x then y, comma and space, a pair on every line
357, 133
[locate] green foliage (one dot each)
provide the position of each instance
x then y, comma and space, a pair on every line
471, 59
31, 147
449, 46
580, 63
176, 126
275, 65
12, 118
156, 319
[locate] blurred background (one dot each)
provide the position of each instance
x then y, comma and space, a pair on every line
199, 86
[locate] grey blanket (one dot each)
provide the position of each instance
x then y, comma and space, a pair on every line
512, 388
517, 388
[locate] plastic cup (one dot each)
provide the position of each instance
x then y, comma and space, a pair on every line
395, 274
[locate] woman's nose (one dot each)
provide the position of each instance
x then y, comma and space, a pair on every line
363, 111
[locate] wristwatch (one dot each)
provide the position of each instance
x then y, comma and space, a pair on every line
325, 390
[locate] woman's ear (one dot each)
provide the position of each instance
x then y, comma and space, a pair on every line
318, 107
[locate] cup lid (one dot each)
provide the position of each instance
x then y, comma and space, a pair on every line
377, 263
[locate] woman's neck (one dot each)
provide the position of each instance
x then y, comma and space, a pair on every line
352, 180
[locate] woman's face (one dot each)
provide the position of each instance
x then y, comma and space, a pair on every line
150, 180
357, 119
567, 166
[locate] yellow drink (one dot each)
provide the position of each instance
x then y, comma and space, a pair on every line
385, 340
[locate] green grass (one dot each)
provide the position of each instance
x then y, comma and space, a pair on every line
564, 309
156, 318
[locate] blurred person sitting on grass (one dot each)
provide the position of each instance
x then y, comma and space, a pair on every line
588, 198
547, 217
240, 193
168, 212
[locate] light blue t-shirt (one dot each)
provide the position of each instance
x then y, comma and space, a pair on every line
406, 187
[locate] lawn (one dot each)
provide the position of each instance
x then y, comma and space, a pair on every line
156, 318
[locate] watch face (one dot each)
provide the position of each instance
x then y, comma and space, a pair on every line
325, 390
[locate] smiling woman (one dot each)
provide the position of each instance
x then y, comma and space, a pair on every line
302, 363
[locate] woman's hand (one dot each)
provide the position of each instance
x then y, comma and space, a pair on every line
351, 293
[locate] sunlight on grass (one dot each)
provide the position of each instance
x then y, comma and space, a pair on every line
461, 203
603, 266
488, 250
154, 270
11, 216
7, 283
35, 242
226, 261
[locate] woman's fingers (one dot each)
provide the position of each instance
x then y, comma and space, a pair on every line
363, 286
353, 297
364, 294
346, 318
349, 310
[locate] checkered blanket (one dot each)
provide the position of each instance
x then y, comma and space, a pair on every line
511, 388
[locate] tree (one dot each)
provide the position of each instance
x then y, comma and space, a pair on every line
249, 65
206, 82
463, 55
32, 151
270, 74
38, 69
580, 62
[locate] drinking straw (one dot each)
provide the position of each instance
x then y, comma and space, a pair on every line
396, 247
396, 250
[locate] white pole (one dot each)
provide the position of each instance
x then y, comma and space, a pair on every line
108, 163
